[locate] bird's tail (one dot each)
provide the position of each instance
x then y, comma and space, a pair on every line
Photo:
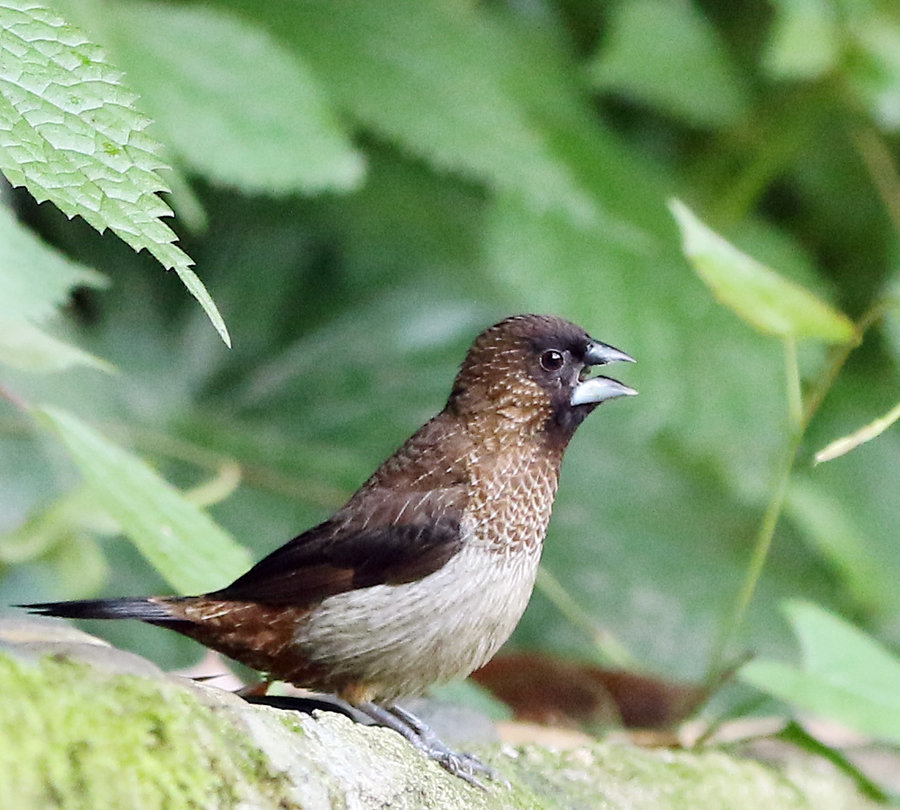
146, 608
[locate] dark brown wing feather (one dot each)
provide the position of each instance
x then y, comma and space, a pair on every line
380, 537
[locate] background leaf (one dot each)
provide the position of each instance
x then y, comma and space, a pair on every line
846, 676
757, 293
687, 72
804, 41
875, 70
258, 121
182, 543
69, 132
830, 527
27, 347
438, 79
35, 278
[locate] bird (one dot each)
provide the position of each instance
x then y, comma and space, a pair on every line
426, 570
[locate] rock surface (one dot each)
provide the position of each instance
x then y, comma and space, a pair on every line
83, 725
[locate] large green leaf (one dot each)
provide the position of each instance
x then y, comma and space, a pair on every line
69, 133
846, 676
804, 41
26, 347
187, 548
34, 278
668, 55
768, 302
438, 79
874, 73
829, 525
257, 119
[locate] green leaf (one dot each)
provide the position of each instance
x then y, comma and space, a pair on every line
35, 278
75, 513
438, 79
257, 120
835, 648
769, 303
804, 42
185, 546
866, 433
875, 71
198, 290
81, 564
890, 323
668, 55
70, 134
794, 734
847, 675
829, 526
26, 347
63, 533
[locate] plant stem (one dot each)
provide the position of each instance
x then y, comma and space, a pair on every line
794, 390
879, 161
839, 356
612, 650
801, 414
770, 519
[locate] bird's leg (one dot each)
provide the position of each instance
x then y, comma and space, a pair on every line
423, 737
431, 739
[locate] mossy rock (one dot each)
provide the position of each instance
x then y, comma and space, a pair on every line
83, 725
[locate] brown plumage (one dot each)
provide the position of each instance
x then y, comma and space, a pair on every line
426, 570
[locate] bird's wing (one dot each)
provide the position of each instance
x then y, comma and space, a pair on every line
382, 538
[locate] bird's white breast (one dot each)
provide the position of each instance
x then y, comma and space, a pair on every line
403, 638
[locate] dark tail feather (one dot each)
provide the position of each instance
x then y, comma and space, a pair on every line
147, 609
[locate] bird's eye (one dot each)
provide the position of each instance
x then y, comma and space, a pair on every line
552, 360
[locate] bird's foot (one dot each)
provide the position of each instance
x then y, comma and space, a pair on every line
422, 736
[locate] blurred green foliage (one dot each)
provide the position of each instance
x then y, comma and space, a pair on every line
364, 186
845, 674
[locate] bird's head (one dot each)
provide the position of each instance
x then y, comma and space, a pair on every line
530, 373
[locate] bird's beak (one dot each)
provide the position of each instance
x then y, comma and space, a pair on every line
598, 389
599, 354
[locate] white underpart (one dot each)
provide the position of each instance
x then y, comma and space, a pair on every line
430, 631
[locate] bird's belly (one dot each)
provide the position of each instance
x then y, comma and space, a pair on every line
397, 640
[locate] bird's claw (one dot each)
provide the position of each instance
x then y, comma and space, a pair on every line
423, 737
463, 765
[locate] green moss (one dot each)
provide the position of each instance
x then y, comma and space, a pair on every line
71, 737
74, 736
607, 776
290, 722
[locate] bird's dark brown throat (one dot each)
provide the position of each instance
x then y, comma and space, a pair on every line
426, 570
